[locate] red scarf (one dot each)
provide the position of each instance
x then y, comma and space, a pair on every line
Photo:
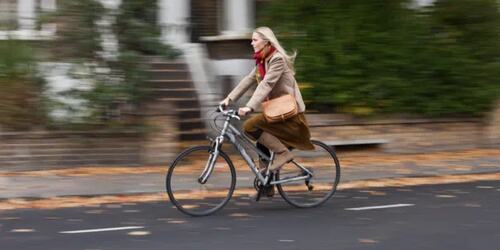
260, 58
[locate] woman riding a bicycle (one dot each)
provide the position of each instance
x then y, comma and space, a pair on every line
275, 67
202, 179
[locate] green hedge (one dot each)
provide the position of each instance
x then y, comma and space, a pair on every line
21, 103
373, 57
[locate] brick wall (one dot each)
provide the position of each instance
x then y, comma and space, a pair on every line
493, 127
33, 150
43, 149
36, 150
160, 145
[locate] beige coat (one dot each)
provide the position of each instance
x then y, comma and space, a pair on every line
279, 80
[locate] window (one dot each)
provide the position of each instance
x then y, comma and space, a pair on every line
19, 19
8, 15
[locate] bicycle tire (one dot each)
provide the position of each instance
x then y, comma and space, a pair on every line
178, 200
329, 155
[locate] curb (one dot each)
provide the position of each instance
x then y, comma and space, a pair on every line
97, 200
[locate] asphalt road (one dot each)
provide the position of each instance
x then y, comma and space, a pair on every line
457, 216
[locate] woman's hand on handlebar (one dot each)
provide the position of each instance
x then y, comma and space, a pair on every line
224, 103
244, 111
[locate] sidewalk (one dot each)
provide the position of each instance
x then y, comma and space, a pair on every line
97, 181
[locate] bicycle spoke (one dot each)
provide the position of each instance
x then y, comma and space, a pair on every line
323, 165
192, 197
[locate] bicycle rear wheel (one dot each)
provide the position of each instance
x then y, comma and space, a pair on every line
323, 163
188, 194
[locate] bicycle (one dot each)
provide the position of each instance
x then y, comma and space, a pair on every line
202, 179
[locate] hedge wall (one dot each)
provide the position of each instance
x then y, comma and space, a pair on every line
373, 57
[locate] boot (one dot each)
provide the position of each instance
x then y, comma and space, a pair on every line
267, 189
281, 153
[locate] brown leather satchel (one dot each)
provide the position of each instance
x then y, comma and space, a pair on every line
280, 109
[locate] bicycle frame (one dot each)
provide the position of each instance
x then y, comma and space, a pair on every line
238, 140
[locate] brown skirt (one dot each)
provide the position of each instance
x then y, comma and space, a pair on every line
293, 132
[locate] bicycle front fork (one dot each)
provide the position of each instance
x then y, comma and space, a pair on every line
209, 167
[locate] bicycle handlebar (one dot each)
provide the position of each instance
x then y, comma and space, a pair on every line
230, 112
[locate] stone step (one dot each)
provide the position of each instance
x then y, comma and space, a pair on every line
181, 102
66, 150
189, 124
69, 156
65, 136
195, 134
188, 113
21, 165
356, 144
171, 74
197, 119
185, 109
178, 99
159, 65
192, 137
188, 104
171, 82
65, 154
168, 84
48, 144
179, 93
188, 144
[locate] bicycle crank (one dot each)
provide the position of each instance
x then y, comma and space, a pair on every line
308, 181
310, 186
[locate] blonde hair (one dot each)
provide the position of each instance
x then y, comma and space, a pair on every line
268, 35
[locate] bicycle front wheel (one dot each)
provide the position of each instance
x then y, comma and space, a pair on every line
325, 167
188, 194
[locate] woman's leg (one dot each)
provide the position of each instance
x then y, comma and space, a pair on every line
252, 131
281, 153
255, 134
262, 162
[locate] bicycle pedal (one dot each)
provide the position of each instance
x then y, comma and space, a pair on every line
258, 195
269, 190
310, 186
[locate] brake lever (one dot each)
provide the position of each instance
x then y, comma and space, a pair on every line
220, 108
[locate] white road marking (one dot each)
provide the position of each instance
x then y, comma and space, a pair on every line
100, 230
139, 233
379, 207
23, 230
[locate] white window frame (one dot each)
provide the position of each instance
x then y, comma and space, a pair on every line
26, 19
